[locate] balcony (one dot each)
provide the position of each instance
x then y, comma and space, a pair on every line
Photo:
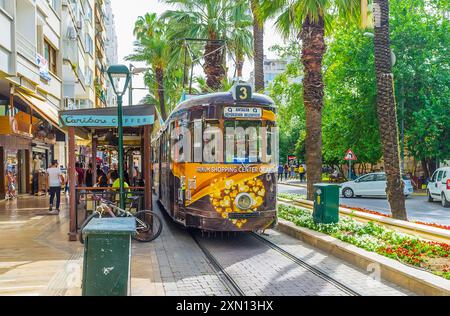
70, 50
77, 104
26, 47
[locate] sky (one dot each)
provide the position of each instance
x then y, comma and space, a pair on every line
126, 13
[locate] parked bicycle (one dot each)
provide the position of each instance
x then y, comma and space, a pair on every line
148, 224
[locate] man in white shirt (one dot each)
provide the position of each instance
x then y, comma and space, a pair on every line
54, 182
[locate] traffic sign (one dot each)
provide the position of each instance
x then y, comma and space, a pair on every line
350, 156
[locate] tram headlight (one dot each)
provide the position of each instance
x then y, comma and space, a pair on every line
244, 201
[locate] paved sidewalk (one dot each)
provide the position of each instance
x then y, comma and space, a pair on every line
36, 257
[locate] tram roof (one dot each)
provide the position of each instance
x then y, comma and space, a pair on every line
223, 98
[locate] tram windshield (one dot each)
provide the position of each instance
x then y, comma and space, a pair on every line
247, 141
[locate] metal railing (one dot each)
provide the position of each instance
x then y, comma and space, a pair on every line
86, 202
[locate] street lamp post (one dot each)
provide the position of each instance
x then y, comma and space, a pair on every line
120, 78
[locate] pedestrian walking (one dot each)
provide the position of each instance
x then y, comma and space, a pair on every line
11, 193
301, 171
280, 172
286, 171
89, 177
55, 179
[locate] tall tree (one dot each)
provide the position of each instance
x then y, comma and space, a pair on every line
153, 47
306, 19
215, 21
386, 108
258, 44
240, 40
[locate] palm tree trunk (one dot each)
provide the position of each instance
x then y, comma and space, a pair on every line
258, 47
387, 114
159, 73
213, 67
312, 36
239, 65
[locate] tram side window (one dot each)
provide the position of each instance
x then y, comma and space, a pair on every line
212, 142
196, 129
269, 144
181, 143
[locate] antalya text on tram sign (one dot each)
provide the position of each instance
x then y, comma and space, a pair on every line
350, 156
106, 121
245, 112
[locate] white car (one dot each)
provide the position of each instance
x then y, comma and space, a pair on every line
372, 184
438, 188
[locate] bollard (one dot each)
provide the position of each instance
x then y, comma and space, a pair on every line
107, 256
326, 203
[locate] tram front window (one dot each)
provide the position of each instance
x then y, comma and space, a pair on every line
242, 141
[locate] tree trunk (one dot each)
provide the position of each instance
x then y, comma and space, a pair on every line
387, 114
239, 65
213, 67
426, 173
159, 73
312, 36
258, 47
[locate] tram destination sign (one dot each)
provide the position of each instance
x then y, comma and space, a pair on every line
242, 112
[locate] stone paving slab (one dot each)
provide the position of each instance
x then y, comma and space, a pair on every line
37, 259
365, 282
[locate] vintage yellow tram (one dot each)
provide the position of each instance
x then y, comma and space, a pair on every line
214, 161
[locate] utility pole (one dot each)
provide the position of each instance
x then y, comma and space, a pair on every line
130, 88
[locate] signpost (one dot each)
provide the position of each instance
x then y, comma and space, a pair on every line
350, 156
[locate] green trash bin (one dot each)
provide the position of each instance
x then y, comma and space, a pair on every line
107, 256
326, 203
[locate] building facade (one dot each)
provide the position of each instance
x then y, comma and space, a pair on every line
31, 84
78, 54
52, 57
100, 56
111, 50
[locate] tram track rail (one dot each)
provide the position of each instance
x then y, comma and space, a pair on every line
230, 283
314, 270
236, 290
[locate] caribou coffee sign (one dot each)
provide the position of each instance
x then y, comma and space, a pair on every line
107, 121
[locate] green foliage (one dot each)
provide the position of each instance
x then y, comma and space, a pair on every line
286, 90
350, 117
421, 41
420, 37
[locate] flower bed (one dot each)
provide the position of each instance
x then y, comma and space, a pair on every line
293, 196
431, 256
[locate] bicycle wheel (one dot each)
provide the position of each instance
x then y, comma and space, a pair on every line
93, 215
148, 226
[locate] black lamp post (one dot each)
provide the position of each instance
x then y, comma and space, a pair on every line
120, 77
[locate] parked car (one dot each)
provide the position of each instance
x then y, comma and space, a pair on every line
438, 188
372, 184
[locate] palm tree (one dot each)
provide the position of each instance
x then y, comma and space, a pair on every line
217, 22
306, 19
386, 108
240, 40
258, 44
152, 46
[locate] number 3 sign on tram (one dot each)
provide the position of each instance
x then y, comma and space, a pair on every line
242, 92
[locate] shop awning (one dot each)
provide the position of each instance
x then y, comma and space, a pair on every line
43, 108
133, 116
